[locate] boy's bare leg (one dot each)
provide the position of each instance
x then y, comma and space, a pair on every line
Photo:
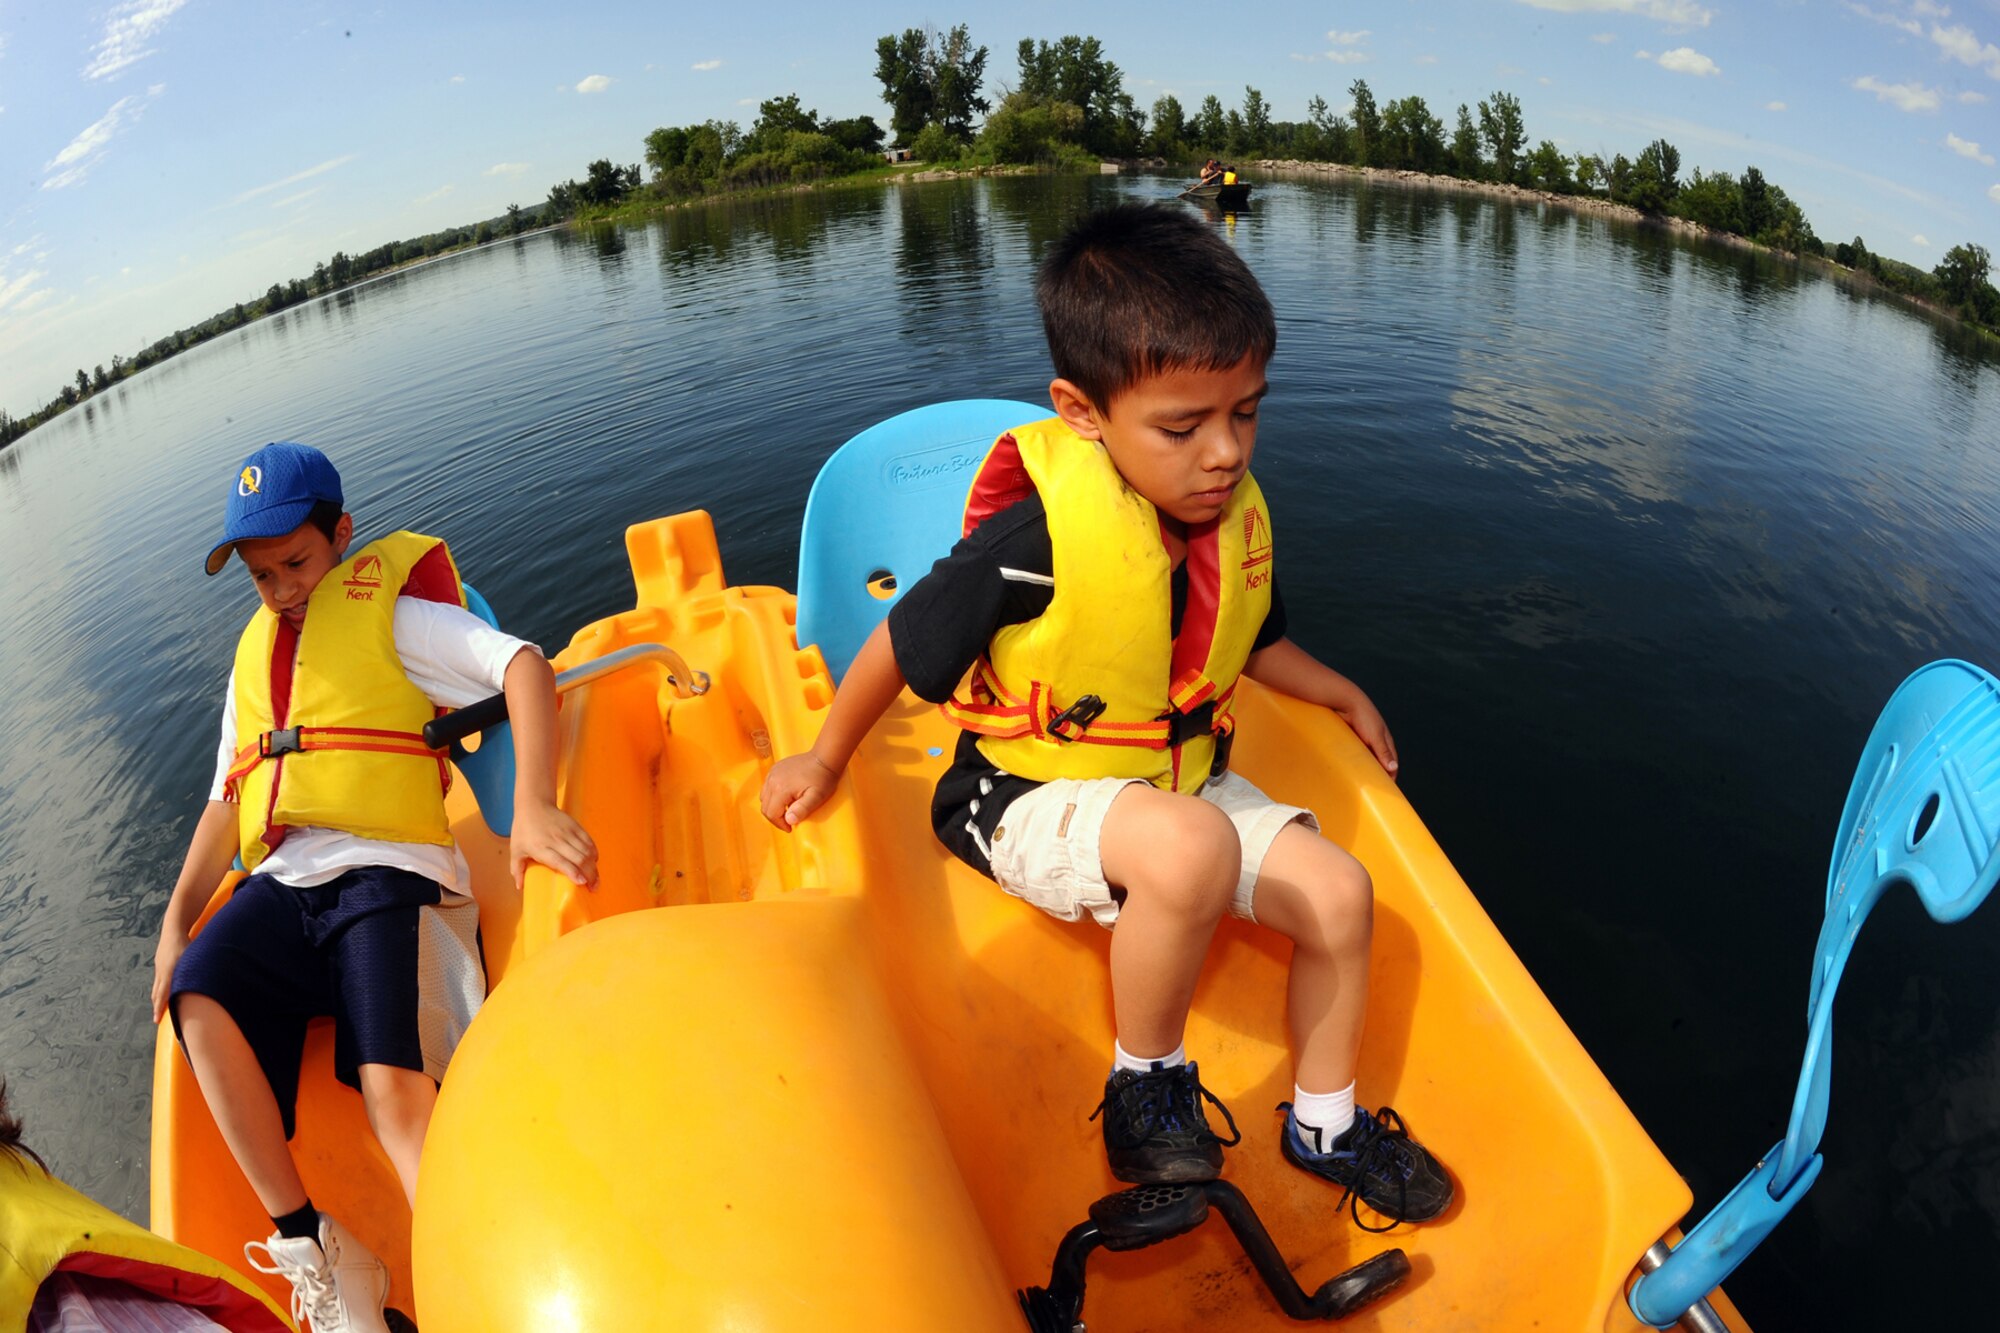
240, 1099
1321, 898
399, 1103
1177, 859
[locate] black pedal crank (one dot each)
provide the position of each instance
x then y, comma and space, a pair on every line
1149, 1214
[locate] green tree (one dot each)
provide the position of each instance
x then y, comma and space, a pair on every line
776, 118
1330, 137
517, 221
1170, 129
1715, 201
903, 66
100, 380
1367, 124
1412, 138
1963, 271
82, 382
1589, 170
603, 186
931, 78
857, 133
1073, 69
274, 299
1211, 127
1655, 178
1030, 129
1548, 169
1465, 146
1256, 122
1501, 125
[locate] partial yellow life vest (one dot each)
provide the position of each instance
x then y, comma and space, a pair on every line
1229, 178
328, 726
47, 1227
1098, 685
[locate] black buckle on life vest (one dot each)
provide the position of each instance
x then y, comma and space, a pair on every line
274, 743
1079, 715
1184, 727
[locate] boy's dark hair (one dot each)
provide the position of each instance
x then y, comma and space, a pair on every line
10, 1132
325, 515
1137, 289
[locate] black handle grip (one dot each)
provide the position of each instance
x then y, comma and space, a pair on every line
456, 726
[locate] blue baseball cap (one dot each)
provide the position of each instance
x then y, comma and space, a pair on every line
272, 493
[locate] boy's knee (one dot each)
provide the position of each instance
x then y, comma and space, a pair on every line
1182, 851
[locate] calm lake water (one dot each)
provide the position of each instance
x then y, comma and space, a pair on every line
1629, 537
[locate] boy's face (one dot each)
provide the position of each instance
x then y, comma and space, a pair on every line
286, 569
1180, 438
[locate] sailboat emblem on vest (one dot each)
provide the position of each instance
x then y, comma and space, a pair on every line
1256, 538
367, 572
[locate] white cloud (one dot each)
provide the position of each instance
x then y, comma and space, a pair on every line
1349, 57
506, 168
74, 162
1339, 38
126, 32
1966, 148
1642, 55
1545, 81
294, 178
435, 195
1903, 96
1960, 44
1971, 98
595, 83
1687, 60
1921, 242
1604, 38
1425, 60
458, 78
1910, 25
298, 198
1993, 193
1673, 13
1775, 106
18, 287
706, 65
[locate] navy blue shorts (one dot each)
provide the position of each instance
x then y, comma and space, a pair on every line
276, 957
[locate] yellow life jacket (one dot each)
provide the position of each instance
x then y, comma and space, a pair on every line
328, 726
1099, 685
47, 1227
1229, 178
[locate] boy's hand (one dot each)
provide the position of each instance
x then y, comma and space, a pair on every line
545, 834
1365, 719
164, 958
795, 787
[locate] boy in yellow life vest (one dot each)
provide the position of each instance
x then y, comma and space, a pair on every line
326, 790
1113, 582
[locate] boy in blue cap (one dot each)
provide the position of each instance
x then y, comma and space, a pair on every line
358, 906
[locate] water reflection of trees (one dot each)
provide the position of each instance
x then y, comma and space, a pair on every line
944, 263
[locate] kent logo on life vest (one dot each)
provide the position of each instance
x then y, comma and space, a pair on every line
1256, 547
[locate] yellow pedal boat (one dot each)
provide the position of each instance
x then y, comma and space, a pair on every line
834, 1079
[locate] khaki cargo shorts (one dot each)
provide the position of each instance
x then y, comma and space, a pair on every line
1046, 847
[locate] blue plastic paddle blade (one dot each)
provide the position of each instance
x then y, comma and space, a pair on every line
884, 508
1925, 805
489, 770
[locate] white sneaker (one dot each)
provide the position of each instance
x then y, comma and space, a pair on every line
337, 1283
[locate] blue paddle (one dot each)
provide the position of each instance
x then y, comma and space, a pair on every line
1924, 811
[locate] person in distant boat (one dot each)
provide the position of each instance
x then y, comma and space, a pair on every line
1087, 634
325, 789
1211, 170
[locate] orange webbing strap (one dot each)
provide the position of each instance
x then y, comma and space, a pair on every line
297, 740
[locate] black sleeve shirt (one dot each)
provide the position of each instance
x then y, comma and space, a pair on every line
1003, 573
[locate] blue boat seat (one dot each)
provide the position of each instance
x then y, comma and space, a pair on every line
883, 509
489, 770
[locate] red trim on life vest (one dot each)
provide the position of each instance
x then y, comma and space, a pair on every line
1204, 604
1003, 480
221, 1301
433, 579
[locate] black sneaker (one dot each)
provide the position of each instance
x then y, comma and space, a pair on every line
1376, 1162
1154, 1129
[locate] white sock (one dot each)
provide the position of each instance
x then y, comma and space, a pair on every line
1322, 1116
1139, 1064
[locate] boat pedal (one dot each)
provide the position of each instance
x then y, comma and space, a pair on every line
399, 1322
1148, 1214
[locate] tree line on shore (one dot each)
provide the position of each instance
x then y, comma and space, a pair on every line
1068, 108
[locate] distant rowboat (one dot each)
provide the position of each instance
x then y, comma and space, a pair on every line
1222, 196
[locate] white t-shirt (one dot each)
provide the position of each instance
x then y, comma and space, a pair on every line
456, 659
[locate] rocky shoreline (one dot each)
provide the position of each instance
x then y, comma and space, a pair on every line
1580, 203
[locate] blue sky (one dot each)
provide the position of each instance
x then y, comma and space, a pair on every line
164, 158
